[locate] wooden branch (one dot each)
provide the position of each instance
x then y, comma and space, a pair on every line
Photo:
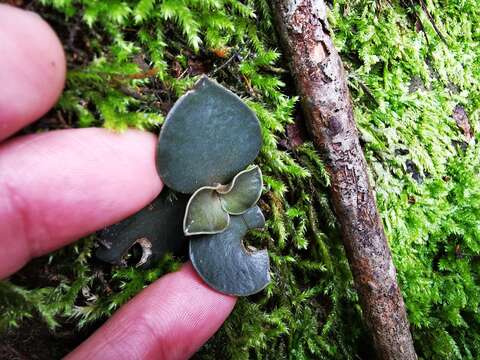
320, 80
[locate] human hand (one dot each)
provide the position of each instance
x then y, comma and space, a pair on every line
61, 185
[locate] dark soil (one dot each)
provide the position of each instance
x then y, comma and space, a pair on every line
34, 341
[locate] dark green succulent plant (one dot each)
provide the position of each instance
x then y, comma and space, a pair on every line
208, 140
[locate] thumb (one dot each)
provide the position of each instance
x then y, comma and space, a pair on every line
171, 319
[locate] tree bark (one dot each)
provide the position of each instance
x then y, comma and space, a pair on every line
320, 79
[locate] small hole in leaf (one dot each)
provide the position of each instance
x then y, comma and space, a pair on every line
139, 253
252, 243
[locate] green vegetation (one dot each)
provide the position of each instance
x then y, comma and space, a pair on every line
130, 60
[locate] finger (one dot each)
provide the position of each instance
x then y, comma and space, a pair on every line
32, 68
170, 319
58, 186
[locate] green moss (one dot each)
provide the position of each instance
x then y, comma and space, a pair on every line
134, 58
433, 222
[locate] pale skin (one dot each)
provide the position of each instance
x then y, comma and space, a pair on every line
58, 186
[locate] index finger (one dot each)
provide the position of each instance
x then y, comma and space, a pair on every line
58, 186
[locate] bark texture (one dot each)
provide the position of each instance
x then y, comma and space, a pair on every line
320, 80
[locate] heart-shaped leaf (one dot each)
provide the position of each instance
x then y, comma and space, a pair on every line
204, 213
243, 192
208, 137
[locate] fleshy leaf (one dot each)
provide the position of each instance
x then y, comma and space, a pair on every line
204, 213
243, 192
159, 223
209, 135
225, 264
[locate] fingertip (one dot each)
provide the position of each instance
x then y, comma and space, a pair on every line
32, 68
186, 284
171, 319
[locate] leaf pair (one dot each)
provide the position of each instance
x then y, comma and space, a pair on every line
209, 209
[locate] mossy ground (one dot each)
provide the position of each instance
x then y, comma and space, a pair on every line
130, 60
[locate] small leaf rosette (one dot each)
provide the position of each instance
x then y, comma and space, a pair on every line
209, 209
208, 140
206, 145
